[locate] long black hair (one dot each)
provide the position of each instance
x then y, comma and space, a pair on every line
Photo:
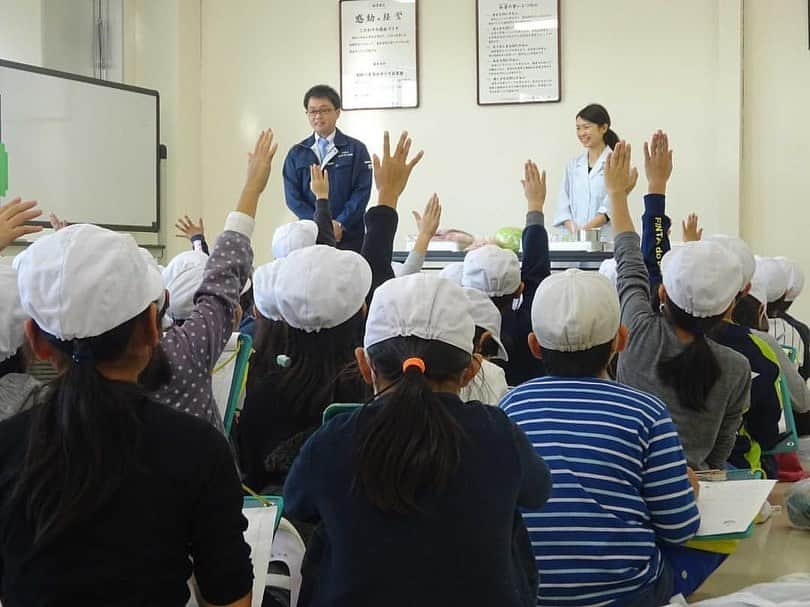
693, 372
316, 363
83, 437
410, 442
598, 114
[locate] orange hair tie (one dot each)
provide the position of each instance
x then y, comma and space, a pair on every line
414, 362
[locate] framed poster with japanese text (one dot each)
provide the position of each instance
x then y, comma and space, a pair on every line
518, 46
379, 54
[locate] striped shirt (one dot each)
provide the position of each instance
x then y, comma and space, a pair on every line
620, 487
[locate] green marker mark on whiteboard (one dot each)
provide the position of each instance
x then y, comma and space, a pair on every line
3, 170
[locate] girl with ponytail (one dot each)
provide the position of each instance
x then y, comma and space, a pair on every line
706, 386
398, 485
583, 202
106, 497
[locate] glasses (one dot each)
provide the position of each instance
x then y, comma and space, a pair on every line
322, 112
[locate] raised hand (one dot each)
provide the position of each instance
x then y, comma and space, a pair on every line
691, 232
188, 229
534, 186
428, 223
391, 173
658, 162
13, 216
56, 223
260, 162
319, 182
618, 178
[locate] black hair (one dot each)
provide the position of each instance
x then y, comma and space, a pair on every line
13, 364
747, 312
409, 443
693, 372
777, 308
83, 437
322, 91
598, 115
489, 348
586, 363
246, 302
318, 362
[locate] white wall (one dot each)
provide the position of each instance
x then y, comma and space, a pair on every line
21, 31
653, 63
776, 202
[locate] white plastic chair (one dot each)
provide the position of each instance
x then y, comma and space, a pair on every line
288, 548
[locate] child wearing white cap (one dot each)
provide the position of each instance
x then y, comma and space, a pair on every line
788, 330
192, 350
18, 389
706, 387
621, 491
310, 316
499, 274
98, 479
403, 471
489, 384
301, 365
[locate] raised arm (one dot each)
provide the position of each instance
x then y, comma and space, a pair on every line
536, 266
194, 347
319, 184
391, 174
195, 232
427, 224
655, 223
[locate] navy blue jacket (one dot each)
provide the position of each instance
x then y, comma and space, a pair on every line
350, 174
456, 550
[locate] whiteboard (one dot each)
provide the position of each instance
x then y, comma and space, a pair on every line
87, 150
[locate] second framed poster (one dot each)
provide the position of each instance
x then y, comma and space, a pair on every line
518, 46
379, 54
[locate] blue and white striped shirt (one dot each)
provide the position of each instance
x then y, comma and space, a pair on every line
620, 487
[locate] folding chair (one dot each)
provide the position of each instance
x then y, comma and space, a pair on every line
228, 377
339, 408
789, 441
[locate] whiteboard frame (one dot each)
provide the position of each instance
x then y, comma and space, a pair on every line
155, 227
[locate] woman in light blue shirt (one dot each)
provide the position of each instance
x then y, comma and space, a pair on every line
583, 202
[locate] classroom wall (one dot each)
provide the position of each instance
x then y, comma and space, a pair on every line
21, 31
653, 63
776, 203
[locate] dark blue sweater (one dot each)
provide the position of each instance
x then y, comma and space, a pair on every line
458, 551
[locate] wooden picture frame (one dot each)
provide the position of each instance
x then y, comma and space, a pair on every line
506, 76
379, 54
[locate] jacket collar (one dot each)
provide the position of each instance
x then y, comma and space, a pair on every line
340, 140
582, 161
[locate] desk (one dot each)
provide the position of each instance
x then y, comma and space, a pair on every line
560, 260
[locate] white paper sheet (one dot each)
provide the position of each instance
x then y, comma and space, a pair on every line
730, 506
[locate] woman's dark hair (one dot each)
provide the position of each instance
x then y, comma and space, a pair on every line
694, 371
83, 437
747, 313
409, 443
489, 348
318, 362
598, 114
587, 363
322, 91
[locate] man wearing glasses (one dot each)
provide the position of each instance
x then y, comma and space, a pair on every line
346, 161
